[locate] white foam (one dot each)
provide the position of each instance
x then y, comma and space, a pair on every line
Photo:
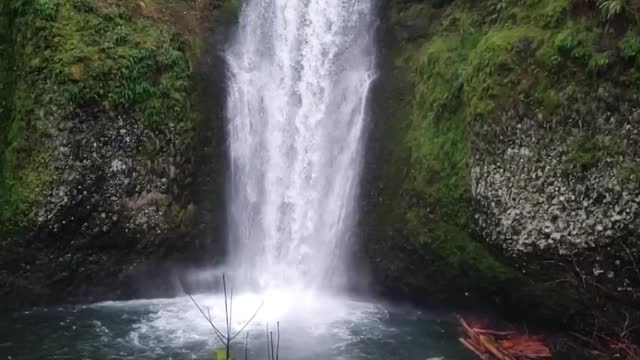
303, 317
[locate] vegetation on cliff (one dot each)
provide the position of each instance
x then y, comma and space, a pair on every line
99, 129
468, 63
82, 54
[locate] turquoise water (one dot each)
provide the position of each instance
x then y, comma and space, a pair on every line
311, 327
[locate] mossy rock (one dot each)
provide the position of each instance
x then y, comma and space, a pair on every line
98, 123
480, 72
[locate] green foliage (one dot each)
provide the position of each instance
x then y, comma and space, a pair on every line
230, 10
458, 263
589, 151
573, 43
6, 67
221, 354
470, 61
551, 14
467, 70
496, 66
629, 173
436, 140
574, 48
629, 46
612, 8
80, 54
496, 9
430, 184
598, 62
13, 201
180, 216
108, 58
543, 14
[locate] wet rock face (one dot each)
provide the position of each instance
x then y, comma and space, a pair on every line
563, 188
102, 180
105, 169
118, 195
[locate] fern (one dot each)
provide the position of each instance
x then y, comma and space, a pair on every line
612, 8
598, 62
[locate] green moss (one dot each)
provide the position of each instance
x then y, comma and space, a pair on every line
547, 14
13, 201
629, 46
229, 11
456, 262
436, 140
426, 180
589, 151
573, 44
6, 66
81, 54
180, 216
106, 56
629, 173
465, 62
496, 66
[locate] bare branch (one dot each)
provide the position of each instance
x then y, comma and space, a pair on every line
271, 341
249, 321
278, 343
226, 314
218, 333
268, 352
228, 338
633, 260
246, 346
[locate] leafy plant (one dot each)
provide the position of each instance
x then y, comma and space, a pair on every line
598, 62
589, 151
496, 9
612, 8
629, 46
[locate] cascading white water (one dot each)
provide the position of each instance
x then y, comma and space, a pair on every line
299, 77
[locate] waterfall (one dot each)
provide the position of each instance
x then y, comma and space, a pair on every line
299, 73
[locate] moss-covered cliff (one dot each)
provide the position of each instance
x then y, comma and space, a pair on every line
509, 156
99, 142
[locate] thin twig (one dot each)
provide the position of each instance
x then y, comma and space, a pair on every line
228, 308
226, 314
633, 260
278, 343
230, 305
247, 323
582, 277
210, 319
246, 346
268, 352
218, 333
272, 355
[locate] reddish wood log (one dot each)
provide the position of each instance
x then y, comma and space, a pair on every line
494, 349
502, 345
471, 347
492, 332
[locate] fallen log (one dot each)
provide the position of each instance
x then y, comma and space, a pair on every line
502, 345
471, 347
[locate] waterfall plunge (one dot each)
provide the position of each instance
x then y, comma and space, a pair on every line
299, 76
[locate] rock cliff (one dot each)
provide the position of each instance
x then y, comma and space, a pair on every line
102, 143
504, 165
